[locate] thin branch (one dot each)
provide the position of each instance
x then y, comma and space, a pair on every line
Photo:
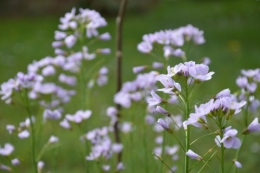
119, 38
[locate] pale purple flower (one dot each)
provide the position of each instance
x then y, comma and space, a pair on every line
112, 111
205, 109
158, 151
126, 127
24, 134
105, 36
15, 161
200, 72
206, 61
254, 126
139, 69
69, 80
65, 124
53, 140
172, 150
120, 166
170, 85
57, 44
4, 167
117, 148
157, 65
7, 90
159, 140
51, 114
197, 120
59, 35
60, 52
223, 93
237, 164
70, 41
40, 165
155, 100
106, 167
10, 128
145, 47
123, 99
104, 51
193, 155
162, 111
178, 53
229, 140
242, 82
230, 104
6, 150
168, 51
163, 124
149, 119
79, 116
250, 73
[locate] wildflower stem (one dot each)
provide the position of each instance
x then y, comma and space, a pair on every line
201, 137
222, 152
163, 162
187, 132
178, 141
145, 147
206, 163
238, 151
27, 106
119, 29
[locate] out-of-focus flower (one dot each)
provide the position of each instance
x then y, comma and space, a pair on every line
6, 150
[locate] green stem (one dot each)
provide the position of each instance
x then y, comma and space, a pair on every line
27, 106
206, 163
238, 151
145, 148
163, 162
222, 152
201, 137
163, 148
187, 132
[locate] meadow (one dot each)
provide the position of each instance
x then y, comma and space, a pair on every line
231, 30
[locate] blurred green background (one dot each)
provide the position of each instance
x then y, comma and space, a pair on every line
231, 29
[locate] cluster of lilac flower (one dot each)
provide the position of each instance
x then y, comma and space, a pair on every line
76, 27
136, 89
248, 83
102, 147
52, 81
171, 40
190, 70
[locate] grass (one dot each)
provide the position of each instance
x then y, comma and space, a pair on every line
232, 42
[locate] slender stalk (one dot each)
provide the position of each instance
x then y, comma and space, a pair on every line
246, 112
206, 163
119, 38
222, 152
187, 132
145, 148
27, 106
163, 148
163, 162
